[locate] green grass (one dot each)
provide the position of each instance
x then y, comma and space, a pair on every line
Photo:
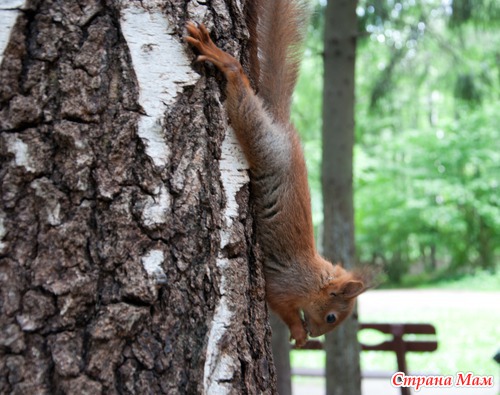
479, 281
468, 333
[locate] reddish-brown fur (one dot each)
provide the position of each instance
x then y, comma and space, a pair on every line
298, 279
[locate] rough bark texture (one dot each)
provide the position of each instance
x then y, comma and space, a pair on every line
126, 254
342, 348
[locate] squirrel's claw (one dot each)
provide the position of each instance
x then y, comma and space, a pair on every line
202, 58
193, 30
204, 32
199, 38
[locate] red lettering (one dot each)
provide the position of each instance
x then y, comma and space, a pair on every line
420, 381
394, 380
469, 380
399, 379
463, 380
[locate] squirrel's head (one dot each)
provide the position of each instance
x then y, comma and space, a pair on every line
335, 302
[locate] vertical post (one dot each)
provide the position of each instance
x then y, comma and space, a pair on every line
397, 333
281, 354
343, 376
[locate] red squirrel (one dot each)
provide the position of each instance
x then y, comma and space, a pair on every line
297, 278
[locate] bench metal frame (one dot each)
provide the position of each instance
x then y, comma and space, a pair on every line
397, 344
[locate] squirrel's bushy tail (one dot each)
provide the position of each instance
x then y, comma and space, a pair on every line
281, 30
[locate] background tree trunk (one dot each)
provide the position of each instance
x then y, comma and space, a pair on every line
281, 354
127, 261
342, 348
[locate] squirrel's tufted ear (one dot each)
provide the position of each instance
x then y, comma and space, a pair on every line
352, 288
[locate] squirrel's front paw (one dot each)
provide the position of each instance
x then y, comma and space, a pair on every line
299, 334
200, 39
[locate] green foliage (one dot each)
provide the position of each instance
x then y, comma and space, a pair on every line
428, 163
427, 158
474, 11
431, 187
307, 106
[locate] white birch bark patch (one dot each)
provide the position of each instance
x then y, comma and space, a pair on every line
157, 209
9, 11
162, 69
20, 150
220, 366
152, 263
3, 232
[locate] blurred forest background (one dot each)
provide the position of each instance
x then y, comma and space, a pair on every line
427, 151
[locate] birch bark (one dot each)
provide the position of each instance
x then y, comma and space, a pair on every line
127, 263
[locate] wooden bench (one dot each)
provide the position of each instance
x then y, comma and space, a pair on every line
397, 344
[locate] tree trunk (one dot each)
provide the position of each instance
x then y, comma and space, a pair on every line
281, 354
127, 263
342, 348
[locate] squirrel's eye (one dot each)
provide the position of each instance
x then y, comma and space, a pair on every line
330, 318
